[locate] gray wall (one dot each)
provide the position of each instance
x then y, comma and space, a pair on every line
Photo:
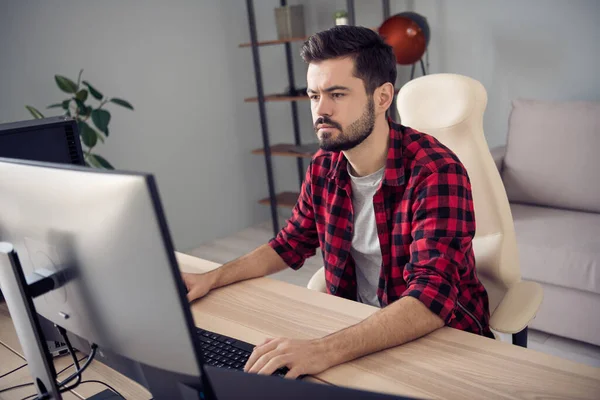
178, 63
180, 66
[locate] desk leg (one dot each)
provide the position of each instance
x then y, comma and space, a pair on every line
520, 338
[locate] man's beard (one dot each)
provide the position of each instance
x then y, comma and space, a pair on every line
352, 136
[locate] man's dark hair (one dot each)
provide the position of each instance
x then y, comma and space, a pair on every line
374, 60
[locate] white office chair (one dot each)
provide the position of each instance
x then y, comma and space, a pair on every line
450, 108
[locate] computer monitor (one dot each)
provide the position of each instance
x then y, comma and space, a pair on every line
53, 139
104, 234
111, 226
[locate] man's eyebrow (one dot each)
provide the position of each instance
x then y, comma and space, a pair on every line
330, 89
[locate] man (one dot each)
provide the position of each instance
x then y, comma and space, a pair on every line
390, 208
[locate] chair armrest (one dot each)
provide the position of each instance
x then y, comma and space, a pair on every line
498, 156
317, 282
518, 307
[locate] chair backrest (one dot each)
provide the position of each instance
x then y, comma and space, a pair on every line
450, 108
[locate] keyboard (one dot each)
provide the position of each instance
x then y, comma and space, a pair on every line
224, 352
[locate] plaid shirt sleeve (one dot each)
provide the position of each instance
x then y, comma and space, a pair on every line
443, 226
298, 240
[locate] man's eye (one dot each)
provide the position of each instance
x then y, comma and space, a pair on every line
337, 95
314, 97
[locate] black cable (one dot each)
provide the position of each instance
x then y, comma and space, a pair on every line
14, 370
63, 333
69, 366
105, 384
29, 397
16, 387
90, 357
78, 372
70, 378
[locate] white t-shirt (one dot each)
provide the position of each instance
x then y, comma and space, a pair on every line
366, 250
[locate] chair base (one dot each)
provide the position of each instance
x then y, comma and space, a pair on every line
520, 338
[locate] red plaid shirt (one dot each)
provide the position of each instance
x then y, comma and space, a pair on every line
425, 224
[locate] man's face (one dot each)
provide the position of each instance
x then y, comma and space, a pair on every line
342, 112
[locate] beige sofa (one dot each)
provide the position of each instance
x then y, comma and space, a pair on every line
550, 168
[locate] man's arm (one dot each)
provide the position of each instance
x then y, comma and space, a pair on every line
260, 262
402, 321
294, 243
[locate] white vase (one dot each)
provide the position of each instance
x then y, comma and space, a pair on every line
341, 21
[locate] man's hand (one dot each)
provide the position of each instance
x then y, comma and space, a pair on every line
301, 357
198, 285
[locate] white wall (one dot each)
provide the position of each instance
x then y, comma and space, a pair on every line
179, 64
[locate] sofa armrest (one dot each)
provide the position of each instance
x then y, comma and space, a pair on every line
517, 308
498, 156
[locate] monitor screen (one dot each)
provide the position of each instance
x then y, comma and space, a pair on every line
50, 139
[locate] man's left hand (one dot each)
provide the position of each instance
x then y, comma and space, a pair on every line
301, 357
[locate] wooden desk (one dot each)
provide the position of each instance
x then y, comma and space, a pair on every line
447, 364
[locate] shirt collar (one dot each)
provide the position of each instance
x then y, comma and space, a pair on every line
394, 166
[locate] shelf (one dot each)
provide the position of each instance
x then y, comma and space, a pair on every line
274, 42
284, 199
282, 41
285, 97
290, 150
277, 97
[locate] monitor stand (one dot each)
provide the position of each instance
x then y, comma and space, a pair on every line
19, 293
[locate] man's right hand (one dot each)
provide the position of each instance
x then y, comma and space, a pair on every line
260, 262
198, 285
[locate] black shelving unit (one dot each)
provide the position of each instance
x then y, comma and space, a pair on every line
285, 199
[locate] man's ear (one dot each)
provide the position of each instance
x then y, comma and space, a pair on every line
383, 97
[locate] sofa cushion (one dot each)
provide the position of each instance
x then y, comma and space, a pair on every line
552, 156
558, 247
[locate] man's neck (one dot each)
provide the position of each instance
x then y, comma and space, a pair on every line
371, 155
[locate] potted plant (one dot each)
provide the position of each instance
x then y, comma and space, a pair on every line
92, 121
341, 17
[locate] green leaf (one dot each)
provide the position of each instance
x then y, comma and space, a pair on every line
80, 106
101, 119
91, 161
65, 104
55, 105
88, 135
79, 78
97, 95
100, 136
82, 95
102, 161
122, 103
36, 114
65, 84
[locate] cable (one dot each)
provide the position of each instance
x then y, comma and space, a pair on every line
16, 387
63, 333
70, 378
79, 371
69, 366
31, 383
105, 384
14, 370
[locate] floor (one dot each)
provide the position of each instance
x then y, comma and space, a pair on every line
244, 241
